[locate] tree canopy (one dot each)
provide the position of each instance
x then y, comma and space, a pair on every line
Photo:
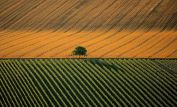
80, 51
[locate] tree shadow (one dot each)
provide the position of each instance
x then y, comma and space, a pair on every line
102, 63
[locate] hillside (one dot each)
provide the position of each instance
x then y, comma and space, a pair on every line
88, 82
107, 28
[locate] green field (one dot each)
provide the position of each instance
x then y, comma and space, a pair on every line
88, 82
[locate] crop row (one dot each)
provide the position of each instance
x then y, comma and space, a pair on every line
86, 82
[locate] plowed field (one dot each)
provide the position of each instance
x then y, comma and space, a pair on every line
107, 28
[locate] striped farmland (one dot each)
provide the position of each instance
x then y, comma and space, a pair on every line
88, 82
107, 28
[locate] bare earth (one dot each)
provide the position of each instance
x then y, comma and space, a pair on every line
107, 28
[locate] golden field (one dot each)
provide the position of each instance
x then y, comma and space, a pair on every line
107, 28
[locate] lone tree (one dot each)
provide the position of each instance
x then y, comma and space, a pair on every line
80, 51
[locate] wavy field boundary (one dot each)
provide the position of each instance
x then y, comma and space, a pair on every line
107, 28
